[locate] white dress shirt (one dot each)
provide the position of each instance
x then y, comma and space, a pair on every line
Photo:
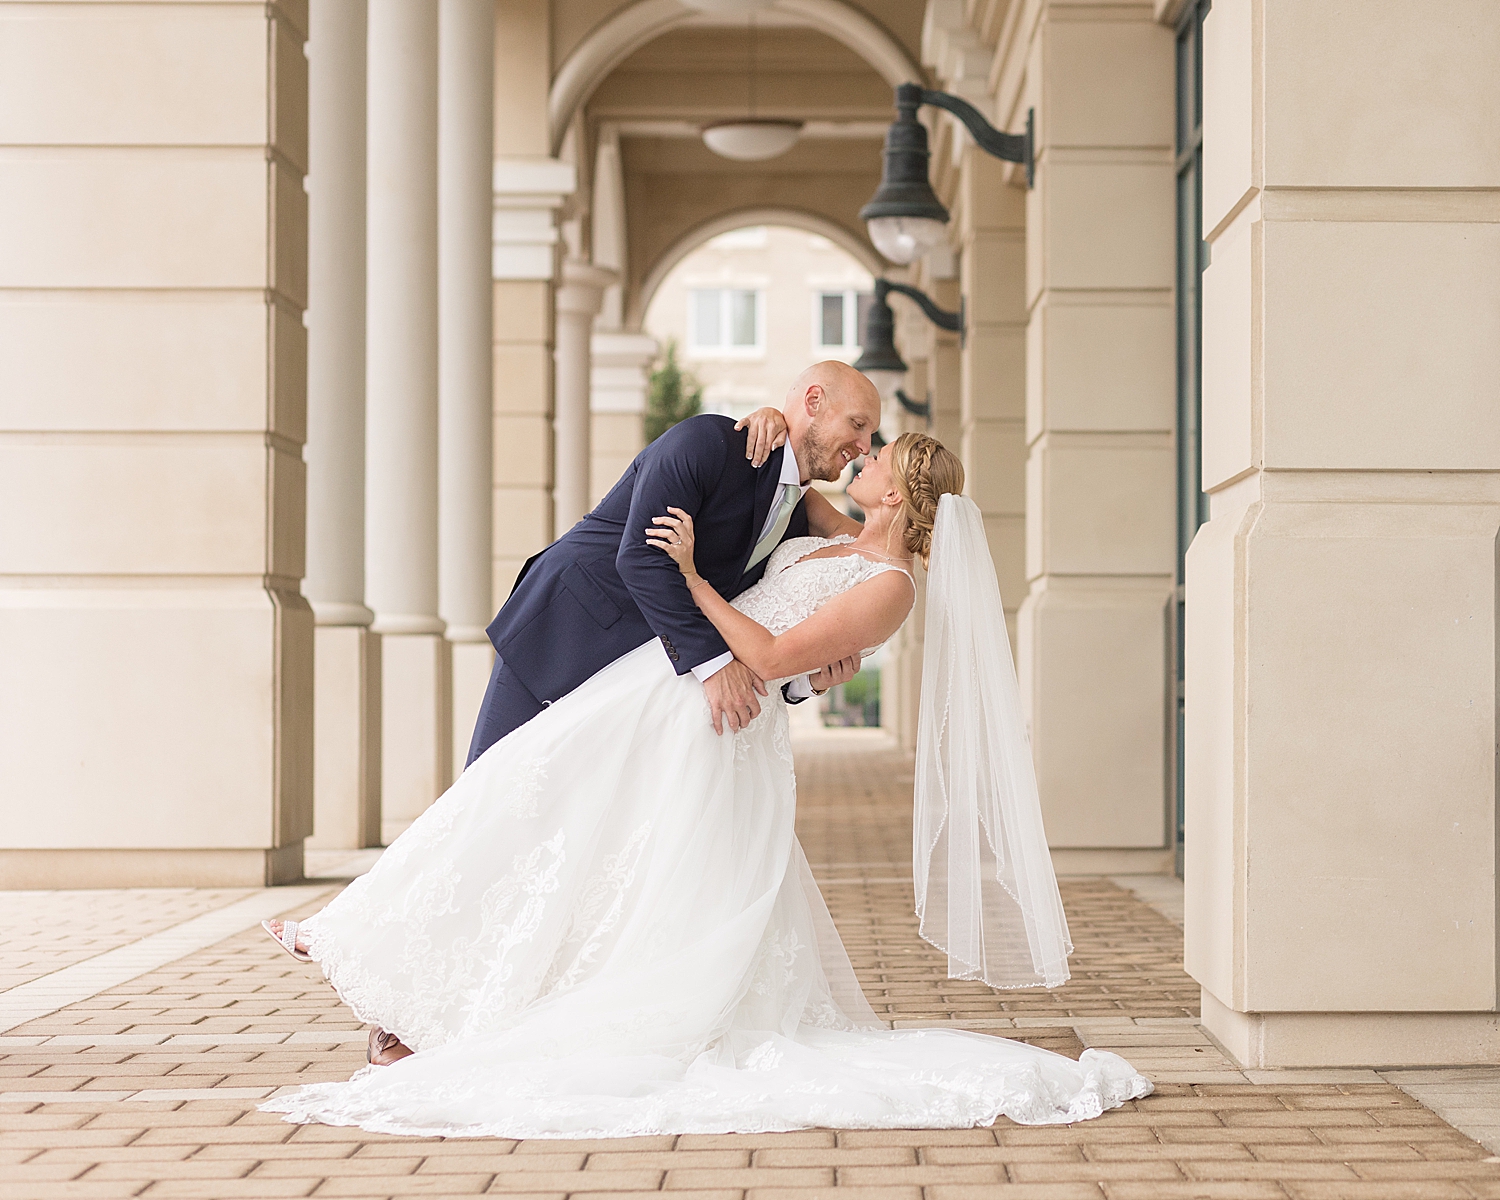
800, 688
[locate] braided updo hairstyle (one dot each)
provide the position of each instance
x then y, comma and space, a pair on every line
922, 469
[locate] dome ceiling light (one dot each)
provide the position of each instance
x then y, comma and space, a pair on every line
905, 218
749, 138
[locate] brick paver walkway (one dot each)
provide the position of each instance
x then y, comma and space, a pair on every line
148, 1088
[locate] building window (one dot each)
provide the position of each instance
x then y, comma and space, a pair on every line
726, 321
838, 318
1192, 505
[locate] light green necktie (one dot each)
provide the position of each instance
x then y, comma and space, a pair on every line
790, 494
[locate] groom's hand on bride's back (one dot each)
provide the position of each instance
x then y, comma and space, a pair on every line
733, 692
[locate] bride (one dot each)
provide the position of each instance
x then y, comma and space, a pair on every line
606, 927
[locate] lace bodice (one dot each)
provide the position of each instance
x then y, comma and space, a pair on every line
791, 590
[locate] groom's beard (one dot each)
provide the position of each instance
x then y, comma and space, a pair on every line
819, 456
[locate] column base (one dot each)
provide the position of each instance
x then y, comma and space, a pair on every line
416, 727
1374, 1039
54, 869
472, 664
346, 726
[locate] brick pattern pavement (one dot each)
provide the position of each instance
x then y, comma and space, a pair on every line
148, 1089
46, 931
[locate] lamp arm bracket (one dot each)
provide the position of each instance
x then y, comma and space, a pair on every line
953, 322
1011, 147
917, 408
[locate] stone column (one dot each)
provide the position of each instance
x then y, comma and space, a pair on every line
992, 365
933, 358
578, 301
620, 379
465, 380
157, 694
401, 495
346, 793
1342, 599
608, 227
529, 187
1100, 472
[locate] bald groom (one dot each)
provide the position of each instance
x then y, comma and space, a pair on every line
599, 591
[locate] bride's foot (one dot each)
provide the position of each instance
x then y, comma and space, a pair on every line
385, 1048
285, 933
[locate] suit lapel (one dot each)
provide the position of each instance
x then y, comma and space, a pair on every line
767, 488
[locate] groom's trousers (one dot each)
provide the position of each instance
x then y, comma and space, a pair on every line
508, 704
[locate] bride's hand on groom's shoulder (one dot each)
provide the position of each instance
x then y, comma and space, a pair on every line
674, 534
767, 433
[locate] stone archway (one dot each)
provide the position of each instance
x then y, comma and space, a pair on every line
845, 239
633, 27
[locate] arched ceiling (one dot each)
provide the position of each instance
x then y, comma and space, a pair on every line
593, 37
652, 73
673, 254
675, 186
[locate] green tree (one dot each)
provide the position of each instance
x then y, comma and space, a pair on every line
675, 394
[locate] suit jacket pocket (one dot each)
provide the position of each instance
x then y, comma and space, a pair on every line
590, 596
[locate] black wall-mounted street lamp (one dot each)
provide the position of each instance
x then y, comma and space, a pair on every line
905, 217
879, 359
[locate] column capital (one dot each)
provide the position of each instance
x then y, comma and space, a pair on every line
582, 288
527, 193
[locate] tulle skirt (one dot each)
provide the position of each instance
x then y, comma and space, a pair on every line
606, 927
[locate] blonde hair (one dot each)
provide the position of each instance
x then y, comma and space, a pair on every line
922, 469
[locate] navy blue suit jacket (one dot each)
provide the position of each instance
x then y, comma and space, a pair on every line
600, 591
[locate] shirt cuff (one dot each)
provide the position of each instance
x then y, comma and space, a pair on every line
713, 666
799, 688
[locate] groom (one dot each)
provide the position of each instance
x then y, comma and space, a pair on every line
600, 591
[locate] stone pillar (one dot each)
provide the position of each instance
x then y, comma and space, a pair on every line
1100, 474
156, 705
529, 187
608, 236
401, 495
465, 383
992, 366
578, 301
346, 794
933, 358
620, 379
1342, 599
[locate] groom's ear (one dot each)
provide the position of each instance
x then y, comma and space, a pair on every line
812, 399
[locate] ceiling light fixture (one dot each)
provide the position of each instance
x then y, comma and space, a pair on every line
751, 138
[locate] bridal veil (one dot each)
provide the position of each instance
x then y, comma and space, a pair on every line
985, 889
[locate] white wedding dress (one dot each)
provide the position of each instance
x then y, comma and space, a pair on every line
607, 927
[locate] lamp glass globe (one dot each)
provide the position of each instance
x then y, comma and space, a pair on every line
904, 239
886, 383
